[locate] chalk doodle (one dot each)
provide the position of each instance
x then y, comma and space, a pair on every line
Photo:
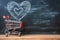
18, 10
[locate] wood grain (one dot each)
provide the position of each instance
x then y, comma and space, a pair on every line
31, 37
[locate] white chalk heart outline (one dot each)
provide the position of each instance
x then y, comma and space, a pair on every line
26, 6
18, 12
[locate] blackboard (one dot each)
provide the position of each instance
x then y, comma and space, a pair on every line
39, 16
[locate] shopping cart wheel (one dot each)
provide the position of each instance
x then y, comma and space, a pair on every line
6, 34
19, 34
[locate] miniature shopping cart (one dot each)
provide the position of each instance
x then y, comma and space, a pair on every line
12, 27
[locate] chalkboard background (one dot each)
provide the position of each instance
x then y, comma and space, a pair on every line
44, 16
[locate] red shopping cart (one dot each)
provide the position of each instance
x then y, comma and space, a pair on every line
12, 26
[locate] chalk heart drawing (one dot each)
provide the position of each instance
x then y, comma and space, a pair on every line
18, 10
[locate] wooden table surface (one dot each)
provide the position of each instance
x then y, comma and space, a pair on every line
31, 37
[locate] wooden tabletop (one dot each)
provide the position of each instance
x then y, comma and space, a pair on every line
31, 37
